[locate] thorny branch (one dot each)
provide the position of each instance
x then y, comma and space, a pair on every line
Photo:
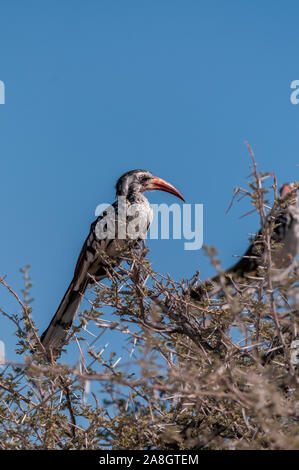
145, 367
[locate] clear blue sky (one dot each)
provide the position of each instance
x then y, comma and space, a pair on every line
95, 88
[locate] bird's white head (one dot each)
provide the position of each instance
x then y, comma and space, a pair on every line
136, 182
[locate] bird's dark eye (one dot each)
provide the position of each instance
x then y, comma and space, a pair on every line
144, 179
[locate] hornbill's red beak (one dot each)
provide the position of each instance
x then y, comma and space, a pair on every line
285, 190
161, 185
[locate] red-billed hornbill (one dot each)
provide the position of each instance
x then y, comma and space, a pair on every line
285, 247
92, 262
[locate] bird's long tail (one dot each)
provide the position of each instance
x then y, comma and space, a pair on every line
54, 336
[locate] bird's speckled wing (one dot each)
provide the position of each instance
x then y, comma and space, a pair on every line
91, 265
